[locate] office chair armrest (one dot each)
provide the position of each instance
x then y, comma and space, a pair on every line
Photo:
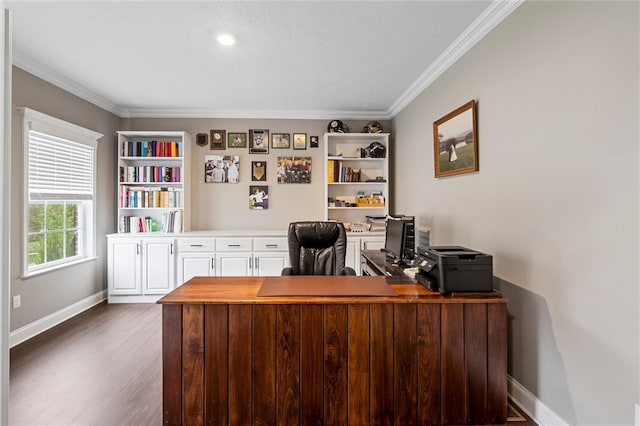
287, 271
348, 271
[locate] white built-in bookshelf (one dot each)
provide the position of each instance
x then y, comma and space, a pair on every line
154, 193
356, 184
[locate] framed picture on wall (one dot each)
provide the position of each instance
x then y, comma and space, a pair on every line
455, 142
280, 140
258, 141
313, 141
237, 140
299, 141
258, 197
218, 139
221, 168
294, 170
259, 171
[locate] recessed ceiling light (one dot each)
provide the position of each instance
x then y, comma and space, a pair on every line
226, 39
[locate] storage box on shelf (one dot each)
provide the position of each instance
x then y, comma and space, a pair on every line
154, 192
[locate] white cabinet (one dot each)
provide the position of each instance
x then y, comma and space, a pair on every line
244, 256
154, 192
196, 258
356, 185
234, 256
140, 269
124, 266
143, 267
270, 256
158, 265
358, 242
372, 243
352, 258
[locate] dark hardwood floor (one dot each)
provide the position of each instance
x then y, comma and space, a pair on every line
102, 368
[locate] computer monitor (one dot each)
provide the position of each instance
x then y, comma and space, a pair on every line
400, 239
394, 242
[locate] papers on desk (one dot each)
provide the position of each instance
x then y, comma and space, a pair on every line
410, 272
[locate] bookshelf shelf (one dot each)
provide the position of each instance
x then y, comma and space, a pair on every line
350, 177
153, 181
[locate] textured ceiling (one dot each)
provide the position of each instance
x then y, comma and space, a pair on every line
293, 59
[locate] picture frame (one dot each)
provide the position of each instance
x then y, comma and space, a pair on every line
258, 141
280, 140
202, 139
258, 197
259, 171
221, 168
455, 142
314, 141
218, 139
299, 141
294, 169
237, 140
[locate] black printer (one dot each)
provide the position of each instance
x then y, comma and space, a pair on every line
449, 269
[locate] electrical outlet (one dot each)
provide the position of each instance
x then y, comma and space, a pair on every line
16, 302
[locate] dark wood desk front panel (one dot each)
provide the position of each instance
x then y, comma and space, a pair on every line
418, 360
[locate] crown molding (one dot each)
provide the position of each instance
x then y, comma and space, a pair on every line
49, 75
255, 114
490, 18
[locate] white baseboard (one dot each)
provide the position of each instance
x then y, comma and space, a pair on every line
637, 415
25, 333
533, 407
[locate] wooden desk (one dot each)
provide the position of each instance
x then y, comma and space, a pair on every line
231, 357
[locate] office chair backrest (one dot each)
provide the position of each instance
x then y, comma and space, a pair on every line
317, 248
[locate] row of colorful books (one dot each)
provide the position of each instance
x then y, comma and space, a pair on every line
150, 174
150, 197
170, 222
151, 149
336, 172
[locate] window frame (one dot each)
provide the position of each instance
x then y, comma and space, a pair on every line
51, 126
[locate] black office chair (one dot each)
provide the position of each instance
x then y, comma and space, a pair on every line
317, 248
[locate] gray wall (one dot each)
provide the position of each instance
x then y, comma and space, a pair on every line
47, 293
225, 206
556, 197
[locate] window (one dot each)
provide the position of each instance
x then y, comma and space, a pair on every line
59, 192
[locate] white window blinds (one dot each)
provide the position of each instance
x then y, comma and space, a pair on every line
59, 168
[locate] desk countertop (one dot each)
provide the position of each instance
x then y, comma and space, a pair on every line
244, 290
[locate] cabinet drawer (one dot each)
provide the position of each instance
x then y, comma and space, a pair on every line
187, 244
270, 244
233, 244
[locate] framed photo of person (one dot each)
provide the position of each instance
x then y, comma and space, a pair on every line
280, 140
258, 141
258, 197
218, 139
455, 142
294, 170
299, 141
237, 140
221, 168
258, 171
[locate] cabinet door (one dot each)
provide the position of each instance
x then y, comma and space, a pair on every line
234, 264
195, 265
124, 265
270, 264
158, 266
372, 243
353, 254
